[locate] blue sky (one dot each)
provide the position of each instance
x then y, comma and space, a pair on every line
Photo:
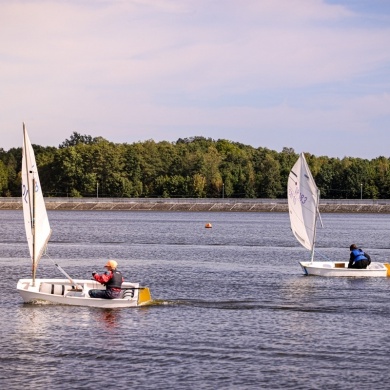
313, 75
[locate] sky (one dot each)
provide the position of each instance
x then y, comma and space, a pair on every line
312, 75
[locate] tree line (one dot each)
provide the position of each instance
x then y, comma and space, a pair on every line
196, 167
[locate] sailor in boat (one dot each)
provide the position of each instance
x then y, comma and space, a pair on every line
358, 258
112, 279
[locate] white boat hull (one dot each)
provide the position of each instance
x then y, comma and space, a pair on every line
61, 291
337, 268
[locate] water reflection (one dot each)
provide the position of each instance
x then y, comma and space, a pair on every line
109, 318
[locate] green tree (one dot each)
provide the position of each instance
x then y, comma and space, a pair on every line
287, 158
3, 179
76, 139
210, 171
198, 186
268, 177
381, 176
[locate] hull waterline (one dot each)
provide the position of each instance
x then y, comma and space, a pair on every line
336, 268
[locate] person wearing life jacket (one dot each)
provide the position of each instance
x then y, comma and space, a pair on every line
358, 258
112, 279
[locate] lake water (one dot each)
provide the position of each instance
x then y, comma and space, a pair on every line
232, 309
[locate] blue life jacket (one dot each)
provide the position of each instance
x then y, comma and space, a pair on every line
359, 255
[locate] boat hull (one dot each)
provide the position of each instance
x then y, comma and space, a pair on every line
337, 268
61, 291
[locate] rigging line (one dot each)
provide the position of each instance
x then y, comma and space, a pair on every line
74, 284
325, 257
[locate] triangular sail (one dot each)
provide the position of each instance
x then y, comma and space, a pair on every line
34, 210
303, 198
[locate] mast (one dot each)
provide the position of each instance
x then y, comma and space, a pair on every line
34, 264
31, 207
315, 227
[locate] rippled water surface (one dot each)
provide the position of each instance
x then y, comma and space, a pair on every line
232, 307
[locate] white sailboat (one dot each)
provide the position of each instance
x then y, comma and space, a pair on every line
59, 291
303, 200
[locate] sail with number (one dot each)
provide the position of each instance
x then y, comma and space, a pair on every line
303, 198
34, 210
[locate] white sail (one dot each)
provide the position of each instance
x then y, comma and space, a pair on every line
303, 201
34, 210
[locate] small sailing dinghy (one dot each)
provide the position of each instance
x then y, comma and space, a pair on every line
303, 200
59, 291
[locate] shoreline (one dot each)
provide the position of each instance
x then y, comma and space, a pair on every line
199, 205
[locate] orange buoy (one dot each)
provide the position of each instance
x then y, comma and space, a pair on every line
208, 225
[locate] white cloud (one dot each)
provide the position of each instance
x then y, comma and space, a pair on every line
117, 66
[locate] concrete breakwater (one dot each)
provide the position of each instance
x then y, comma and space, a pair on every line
201, 204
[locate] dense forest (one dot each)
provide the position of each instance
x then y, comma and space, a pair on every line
196, 167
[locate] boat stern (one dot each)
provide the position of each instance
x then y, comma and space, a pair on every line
144, 296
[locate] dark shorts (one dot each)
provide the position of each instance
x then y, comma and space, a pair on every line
361, 264
105, 294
